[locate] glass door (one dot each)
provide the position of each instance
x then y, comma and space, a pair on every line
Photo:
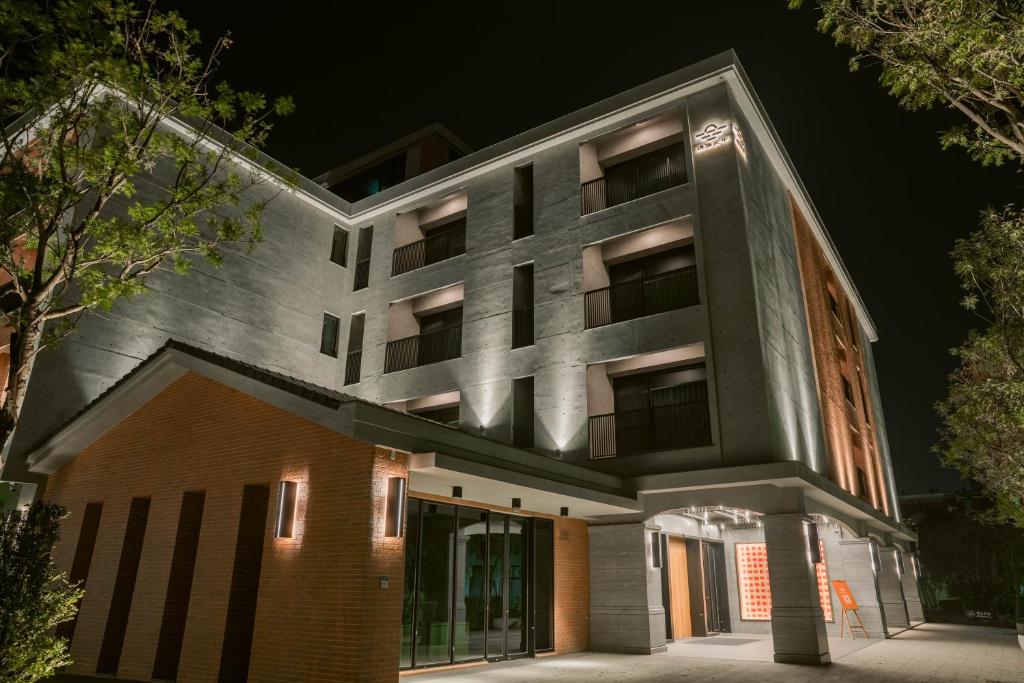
496, 586
516, 627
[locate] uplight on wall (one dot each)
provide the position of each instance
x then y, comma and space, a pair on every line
811, 542
287, 497
394, 513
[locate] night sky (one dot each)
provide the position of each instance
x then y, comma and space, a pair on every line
892, 200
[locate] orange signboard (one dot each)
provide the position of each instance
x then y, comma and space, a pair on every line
845, 596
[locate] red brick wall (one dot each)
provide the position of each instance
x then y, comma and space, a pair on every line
572, 574
321, 614
849, 433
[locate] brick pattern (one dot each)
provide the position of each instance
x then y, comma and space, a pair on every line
572, 574
835, 338
322, 614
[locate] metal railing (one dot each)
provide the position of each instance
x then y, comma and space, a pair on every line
638, 298
439, 245
362, 278
522, 327
522, 221
423, 349
353, 362
660, 170
657, 428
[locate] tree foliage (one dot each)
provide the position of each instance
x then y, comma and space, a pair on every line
128, 157
35, 598
969, 56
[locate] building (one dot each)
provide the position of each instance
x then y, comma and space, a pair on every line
604, 385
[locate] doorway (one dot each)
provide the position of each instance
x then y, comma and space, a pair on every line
679, 589
694, 588
715, 587
478, 585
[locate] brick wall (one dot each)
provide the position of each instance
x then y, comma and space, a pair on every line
572, 574
836, 342
322, 614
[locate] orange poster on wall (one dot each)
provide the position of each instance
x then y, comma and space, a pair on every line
845, 596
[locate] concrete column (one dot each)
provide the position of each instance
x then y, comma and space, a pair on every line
890, 587
798, 625
626, 610
859, 573
911, 594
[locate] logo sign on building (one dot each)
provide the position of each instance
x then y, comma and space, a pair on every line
845, 595
713, 135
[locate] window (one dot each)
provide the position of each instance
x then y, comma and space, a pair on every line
329, 336
862, 483
833, 306
362, 278
522, 412
522, 306
863, 395
339, 247
847, 390
522, 200
354, 358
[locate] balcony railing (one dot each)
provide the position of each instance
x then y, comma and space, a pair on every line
352, 366
522, 327
424, 349
522, 221
639, 298
362, 274
660, 170
443, 243
657, 428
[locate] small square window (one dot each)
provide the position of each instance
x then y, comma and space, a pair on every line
339, 247
329, 336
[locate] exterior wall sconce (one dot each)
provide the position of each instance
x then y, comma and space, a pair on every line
517, 503
812, 543
916, 564
287, 495
656, 559
900, 567
456, 492
564, 512
875, 561
394, 526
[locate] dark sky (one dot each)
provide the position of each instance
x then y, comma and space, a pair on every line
892, 200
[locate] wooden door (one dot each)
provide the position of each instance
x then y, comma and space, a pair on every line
679, 588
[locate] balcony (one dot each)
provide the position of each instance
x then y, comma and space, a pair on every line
440, 244
424, 349
353, 363
362, 279
653, 172
642, 297
683, 424
522, 327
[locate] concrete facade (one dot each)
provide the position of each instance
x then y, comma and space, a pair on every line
783, 433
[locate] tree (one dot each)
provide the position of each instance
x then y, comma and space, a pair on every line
128, 157
36, 597
969, 56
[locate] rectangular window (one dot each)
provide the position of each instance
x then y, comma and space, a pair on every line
354, 357
179, 586
329, 336
862, 483
522, 412
82, 561
362, 278
863, 396
245, 584
833, 305
522, 306
847, 390
522, 202
124, 587
339, 246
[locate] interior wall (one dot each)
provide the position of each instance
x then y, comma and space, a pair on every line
637, 139
595, 272
446, 210
438, 300
590, 168
407, 229
402, 322
645, 242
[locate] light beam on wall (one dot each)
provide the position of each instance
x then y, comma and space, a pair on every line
287, 496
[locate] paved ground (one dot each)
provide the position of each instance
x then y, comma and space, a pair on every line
932, 653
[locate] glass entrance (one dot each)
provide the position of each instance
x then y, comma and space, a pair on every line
477, 585
715, 590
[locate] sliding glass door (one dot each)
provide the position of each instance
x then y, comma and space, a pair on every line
478, 585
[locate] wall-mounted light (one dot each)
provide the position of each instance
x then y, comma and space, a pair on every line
517, 503
558, 452
900, 568
456, 492
394, 526
875, 561
564, 512
287, 495
916, 564
656, 550
812, 545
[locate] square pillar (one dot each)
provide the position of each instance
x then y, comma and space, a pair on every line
911, 593
626, 610
798, 624
890, 587
859, 573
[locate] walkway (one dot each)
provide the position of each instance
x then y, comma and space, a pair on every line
932, 653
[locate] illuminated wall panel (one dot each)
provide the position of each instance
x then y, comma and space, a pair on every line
754, 589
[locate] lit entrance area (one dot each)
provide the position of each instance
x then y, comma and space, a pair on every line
694, 587
479, 585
